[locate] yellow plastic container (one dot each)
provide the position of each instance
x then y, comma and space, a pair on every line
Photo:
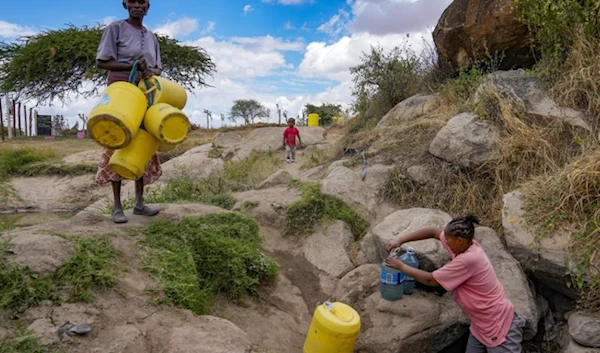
334, 329
313, 119
116, 119
165, 91
166, 123
131, 161
165, 147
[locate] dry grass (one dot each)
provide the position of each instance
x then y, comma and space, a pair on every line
529, 148
578, 83
569, 200
61, 147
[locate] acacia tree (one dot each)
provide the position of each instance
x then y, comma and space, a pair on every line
249, 110
61, 63
384, 79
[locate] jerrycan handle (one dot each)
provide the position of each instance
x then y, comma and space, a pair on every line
133, 73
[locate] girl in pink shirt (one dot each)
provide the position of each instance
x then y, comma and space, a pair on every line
495, 327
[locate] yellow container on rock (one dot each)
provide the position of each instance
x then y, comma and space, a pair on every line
313, 119
116, 119
166, 123
164, 91
334, 329
131, 161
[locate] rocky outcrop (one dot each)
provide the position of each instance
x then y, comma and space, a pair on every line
268, 206
545, 260
585, 329
195, 163
430, 252
525, 94
226, 139
328, 247
515, 283
409, 109
346, 185
42, 253
466, 140
473, 30
281, 177
270, 139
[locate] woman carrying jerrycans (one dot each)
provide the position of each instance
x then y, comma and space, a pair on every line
495, 327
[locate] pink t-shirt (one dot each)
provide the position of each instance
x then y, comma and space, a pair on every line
478, 292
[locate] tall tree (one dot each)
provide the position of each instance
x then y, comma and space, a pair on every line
249, 110
58, 63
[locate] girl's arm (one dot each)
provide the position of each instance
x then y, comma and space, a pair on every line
419, 275
112, 65
421, 234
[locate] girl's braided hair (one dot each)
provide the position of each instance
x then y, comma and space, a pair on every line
463, 227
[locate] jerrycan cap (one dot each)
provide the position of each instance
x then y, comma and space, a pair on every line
342, 315
410, 250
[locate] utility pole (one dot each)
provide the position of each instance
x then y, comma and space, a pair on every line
279, 113
9, 115
1, 121
208, 116
222, 119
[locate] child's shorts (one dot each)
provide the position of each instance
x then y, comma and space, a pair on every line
514, 338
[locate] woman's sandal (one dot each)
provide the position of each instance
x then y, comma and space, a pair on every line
119, 217
146, 211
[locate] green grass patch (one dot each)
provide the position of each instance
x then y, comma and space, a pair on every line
215, 152
317, 158
92, 266
183, 189
200, 257
248, 205
247, 174
303, 215
26, 342
29, 163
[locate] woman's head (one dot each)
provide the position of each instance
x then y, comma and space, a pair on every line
459, 233
137, 8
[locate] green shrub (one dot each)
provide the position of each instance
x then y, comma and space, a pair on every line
201, 256
13, 160
302, 216
182, 189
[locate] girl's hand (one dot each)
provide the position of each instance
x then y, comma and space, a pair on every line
393, 245
394, 262
147, 73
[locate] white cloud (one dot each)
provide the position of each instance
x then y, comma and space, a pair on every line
248, 8
209, 27
288, 26
268, 43
108, 20
396, 16
336, 24
12, 30
347, 52
181, 27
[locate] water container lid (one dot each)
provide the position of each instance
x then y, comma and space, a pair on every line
411, 250
338, 317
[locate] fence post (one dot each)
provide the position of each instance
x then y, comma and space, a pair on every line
1, 121
30, 117
25, 119
20, 132
14, 118
35, 121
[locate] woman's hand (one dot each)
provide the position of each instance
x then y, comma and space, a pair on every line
394, 262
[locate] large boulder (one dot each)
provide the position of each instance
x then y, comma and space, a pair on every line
544, 260
585, 329
226, 139
466, 140
281, 177
523, 91
194, 163
346, 185
368, 253
472, 30
418, 323
410, 108
314, 174
270, 139
515, 283
572, 347
358, 284
431, 252
208, 335
42, 253
328, 247
268, 206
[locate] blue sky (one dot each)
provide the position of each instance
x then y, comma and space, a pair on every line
290, 52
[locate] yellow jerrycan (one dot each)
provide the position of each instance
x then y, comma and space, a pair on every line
334, 329
130, 162
117, 117
164, 91
166, 123
313, 119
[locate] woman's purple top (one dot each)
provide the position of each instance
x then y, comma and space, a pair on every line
125, 43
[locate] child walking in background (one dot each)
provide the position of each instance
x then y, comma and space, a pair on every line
495, 327
289, 140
